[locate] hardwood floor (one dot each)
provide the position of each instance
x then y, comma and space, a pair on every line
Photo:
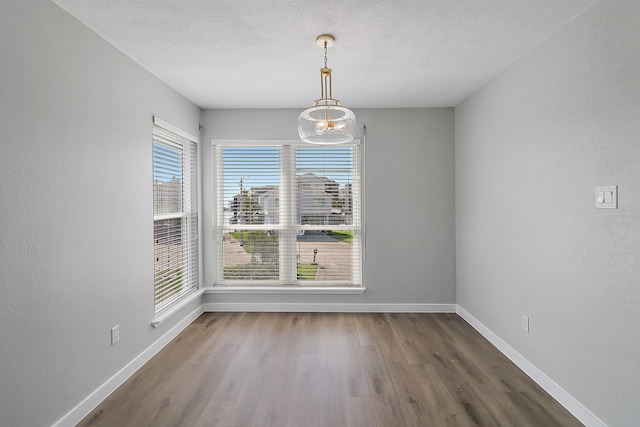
329, 369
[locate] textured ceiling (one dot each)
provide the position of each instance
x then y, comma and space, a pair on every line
262, 54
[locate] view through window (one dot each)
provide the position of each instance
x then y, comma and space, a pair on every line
175, 214
287, 214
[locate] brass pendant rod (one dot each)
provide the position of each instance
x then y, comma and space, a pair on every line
325, 84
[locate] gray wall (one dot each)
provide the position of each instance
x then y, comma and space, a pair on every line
530, 148
409, 159
76, 213
76, 216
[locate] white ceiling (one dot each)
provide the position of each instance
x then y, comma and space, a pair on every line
262, 54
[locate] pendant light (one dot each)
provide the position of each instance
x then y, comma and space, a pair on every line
326, 122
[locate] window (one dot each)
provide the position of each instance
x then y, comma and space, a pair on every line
175, 214
287, 213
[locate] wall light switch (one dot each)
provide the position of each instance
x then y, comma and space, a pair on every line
607, 197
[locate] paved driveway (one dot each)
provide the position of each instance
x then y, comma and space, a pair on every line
333, 256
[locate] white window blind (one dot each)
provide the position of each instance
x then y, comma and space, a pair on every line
175, 215
287, 213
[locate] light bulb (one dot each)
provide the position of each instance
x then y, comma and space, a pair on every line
339, 126
321, 125
330, 126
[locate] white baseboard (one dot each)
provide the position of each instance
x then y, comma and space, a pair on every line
330, 308
74, 416
585, 416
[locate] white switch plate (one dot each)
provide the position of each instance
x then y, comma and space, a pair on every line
607, 197
115, 334
525, 323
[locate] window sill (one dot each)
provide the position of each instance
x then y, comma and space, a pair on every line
163, 316
309, 290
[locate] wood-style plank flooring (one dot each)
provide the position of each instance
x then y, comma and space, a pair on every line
329, 369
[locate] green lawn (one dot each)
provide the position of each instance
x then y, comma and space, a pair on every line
253, 271
307, 271
167, 283
259, 271
343, 236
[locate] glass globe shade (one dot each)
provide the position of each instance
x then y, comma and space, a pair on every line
327, 124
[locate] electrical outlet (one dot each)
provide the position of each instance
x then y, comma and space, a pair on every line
525, 324
115, 334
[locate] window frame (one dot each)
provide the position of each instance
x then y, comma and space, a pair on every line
187, 212
290, 282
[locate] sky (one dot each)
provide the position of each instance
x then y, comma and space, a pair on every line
259, 166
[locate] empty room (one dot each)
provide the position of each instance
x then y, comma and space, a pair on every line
339, 213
